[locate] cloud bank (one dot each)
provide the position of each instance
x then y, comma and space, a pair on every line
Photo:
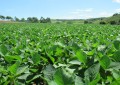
118, 1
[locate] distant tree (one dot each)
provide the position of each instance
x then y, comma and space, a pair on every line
2, 17
58, 22
86, 22
113, 22
22, 20
35, 20
118, 22
69, 22
42, 20
17, 19
102, 22
48, 20
115, 14
32, 19
29, 19
9, 18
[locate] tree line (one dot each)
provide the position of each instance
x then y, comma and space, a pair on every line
113, 20
29, 19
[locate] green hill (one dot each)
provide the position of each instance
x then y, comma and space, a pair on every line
114, 19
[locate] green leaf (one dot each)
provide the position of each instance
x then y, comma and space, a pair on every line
110, 78
31, 78
75, 62
92, 72
22, 69
24, 76
58, 51
9, 59
60, 44
14, 67
49, 72
34, 70
116, 56
78, 81
51, 58
116, 82
105, 62
52, 83
114, 66
96, 80
3, 50
116, 44
90, 53
62, 77
6, 82
75, 46
82, 57
36, 58
116, 74
3, 70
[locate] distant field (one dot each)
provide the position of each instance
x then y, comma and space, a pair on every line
3, 21
59, 54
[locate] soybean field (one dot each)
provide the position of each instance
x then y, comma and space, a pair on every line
59, 54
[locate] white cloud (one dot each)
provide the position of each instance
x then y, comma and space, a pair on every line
79, 11
118, 1
117, 10
86, 13
77, 14
105, 14
73, 17
80, 14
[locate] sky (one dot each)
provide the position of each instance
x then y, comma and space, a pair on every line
59, 9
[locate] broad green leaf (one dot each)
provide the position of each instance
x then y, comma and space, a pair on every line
24, 76
116, 74
6, 82
105, 62
117, 44
3, 50
96, 80
75, 62
92, 72
19, 83
101, 47
114, 66
116, 56
90, 53
75, 46
12, 58
34, 70
95, 45
116, 82
78, 81
3, 70
51, 58
49, 72
110, 78
52, 83
36, 58
13, 69
22, 69
60, 44
62, 77
82, 57
31, 78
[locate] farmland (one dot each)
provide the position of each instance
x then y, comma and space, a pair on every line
59, 54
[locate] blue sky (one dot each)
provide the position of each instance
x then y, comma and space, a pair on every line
60, 9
